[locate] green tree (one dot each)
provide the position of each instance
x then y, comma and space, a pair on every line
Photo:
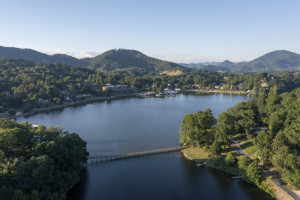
253, 174
276, 121
197, 128
225, 128
215, 149
263, 144
188, 130
38, 159
244, 162
244, 117
230, 159
288, 165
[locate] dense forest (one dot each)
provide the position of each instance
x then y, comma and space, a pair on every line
38, 162
24, 84
278, 145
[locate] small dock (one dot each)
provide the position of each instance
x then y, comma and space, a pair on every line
104, 158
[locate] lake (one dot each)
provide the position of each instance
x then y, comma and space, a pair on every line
139, 124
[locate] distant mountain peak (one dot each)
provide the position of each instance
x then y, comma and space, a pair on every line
227, 61
128, 59
279, 60
35, 56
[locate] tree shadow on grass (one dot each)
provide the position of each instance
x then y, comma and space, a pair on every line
246, 144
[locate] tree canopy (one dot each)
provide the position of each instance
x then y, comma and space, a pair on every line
35, 162
197, 128
278, 143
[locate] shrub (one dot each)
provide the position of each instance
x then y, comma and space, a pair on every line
230, 160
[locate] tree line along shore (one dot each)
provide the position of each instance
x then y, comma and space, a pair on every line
257, 140
27, 85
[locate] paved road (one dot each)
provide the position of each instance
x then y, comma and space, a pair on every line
266, 173
239, 149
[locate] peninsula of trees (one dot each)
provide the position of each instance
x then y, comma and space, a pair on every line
38, 162
269, 124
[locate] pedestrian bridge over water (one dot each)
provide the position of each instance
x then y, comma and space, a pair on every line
103, 158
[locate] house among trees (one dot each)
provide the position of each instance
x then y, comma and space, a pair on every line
120, 89
42, 101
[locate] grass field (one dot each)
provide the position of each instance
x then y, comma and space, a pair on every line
199, 155
172, 73
195, 153
220, 164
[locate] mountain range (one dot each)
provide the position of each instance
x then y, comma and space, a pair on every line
280, 60
35, 56
116, 59
211, 66
123, 59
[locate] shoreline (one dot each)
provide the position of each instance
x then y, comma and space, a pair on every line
70, 104
221, 92
95, 99
210, 163
279, 193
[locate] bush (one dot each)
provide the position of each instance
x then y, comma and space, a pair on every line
215, 149
230, 160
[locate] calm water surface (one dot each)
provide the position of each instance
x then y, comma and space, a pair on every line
139, 124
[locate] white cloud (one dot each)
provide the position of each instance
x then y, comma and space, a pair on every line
86, 54
80, 54
173, 57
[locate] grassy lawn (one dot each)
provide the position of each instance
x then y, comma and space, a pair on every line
198, 154
220, 164
195, 153
248, 146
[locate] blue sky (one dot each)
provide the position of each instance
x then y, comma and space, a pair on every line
176, 30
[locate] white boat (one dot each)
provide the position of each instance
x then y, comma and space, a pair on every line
199, 164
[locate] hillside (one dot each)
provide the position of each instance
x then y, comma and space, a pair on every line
227, 64
215, 68
211, 66
280, 60
35, 56
274, 61
134, 62
118, 59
